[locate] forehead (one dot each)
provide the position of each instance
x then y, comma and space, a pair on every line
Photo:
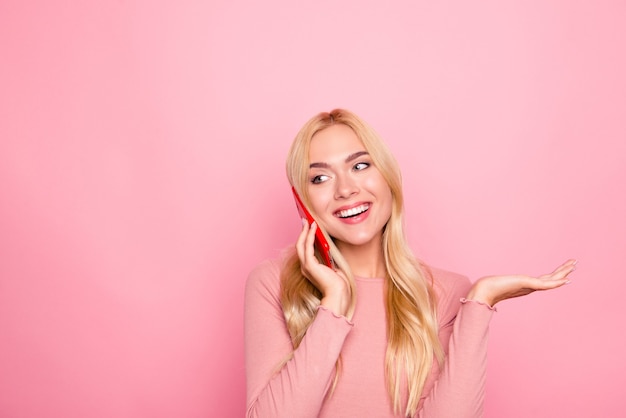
334, 143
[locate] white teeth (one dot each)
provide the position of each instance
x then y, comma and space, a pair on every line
353, 211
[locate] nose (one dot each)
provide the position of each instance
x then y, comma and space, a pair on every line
345, 186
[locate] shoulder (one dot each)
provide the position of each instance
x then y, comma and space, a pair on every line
264, 279
449, 288
447, 283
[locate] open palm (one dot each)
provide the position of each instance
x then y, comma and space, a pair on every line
493, 289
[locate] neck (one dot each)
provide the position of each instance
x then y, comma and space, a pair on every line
365, 260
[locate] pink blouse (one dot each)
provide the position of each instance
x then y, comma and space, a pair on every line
299, 388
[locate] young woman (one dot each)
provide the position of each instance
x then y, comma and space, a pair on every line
380, 334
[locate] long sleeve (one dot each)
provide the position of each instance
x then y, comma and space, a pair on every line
459, 389
299, 387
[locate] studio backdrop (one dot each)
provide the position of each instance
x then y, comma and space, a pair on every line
142, 148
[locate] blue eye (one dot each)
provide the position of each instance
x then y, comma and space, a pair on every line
361, 166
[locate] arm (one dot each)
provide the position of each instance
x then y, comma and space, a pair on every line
299, 387
460, 389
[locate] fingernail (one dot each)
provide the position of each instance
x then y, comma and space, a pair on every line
303, 221
568, 282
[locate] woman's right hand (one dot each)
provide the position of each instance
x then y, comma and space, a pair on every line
332, 284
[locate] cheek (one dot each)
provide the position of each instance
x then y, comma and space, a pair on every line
384, 195
380, 187
387, 204
319, 199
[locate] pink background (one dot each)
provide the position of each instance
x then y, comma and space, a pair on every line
141, 177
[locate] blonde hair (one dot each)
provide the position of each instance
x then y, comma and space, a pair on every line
412, 329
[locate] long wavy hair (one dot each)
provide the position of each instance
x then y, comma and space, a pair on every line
412, 330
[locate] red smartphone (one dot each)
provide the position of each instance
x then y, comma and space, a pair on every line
320, 239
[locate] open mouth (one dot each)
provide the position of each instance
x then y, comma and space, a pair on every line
352, 212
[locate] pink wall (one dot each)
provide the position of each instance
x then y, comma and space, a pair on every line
141, 177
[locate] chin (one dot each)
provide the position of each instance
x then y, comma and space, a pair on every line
354, 241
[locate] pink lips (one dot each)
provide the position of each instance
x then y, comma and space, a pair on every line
354, 219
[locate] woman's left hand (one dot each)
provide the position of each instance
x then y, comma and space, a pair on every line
493, 289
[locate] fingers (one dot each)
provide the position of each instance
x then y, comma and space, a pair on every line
309, 245
541, 284
305, 246
561, 272
301, 240
568, 266
557, 278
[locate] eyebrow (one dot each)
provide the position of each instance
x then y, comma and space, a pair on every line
349, 158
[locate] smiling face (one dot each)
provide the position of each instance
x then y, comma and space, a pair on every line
347, 192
